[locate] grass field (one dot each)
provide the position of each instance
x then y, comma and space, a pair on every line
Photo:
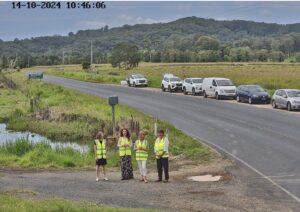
270, 76
10, 203
65, 115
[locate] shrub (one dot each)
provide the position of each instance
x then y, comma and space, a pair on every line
86, 65
19, 148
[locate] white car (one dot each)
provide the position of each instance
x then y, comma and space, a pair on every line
137, 80
192, 85
218, 88
171, 83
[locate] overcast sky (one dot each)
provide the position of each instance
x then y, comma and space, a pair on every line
27, 23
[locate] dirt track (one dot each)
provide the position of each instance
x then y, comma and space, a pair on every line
235, 192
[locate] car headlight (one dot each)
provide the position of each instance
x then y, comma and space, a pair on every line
254, 96
221, 91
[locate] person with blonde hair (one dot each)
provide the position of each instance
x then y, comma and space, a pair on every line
141, 148
100, 154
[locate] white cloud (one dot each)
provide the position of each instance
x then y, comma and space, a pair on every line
91, 24
136, 20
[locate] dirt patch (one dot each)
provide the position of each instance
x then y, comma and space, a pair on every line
207, 192
235, 194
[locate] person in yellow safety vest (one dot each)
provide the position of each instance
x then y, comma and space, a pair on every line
100, 154
141, 148
125, 146
161, 151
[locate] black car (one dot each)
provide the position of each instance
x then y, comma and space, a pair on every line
252, 94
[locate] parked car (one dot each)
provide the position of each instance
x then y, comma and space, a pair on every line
286, 98
252, 94
218, 88
192, 85
171, 83
137, 80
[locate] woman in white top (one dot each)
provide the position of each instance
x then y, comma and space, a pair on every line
141, 148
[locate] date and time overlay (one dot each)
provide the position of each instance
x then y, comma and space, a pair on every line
58, 5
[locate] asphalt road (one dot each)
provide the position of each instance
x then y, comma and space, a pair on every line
266, 141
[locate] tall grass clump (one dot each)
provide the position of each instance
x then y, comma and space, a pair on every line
24, 153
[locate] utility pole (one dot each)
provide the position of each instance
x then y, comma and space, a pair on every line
28, 60
63, 57
91, 52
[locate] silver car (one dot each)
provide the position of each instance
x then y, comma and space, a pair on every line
286, 98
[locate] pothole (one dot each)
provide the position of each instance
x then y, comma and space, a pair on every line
205, 178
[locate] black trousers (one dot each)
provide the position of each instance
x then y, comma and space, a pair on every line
163, 165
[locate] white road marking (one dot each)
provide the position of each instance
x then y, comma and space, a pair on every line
297, 199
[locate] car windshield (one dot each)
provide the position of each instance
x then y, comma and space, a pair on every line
256, 89
175, 79
197, 80
295, 93
138, 76
224, 83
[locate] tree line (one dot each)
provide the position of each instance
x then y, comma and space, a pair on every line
189, 39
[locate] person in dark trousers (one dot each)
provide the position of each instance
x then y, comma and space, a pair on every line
100, 154
162, 155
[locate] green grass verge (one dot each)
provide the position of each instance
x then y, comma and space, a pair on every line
270, 76
10, 203
76, 117
23, 153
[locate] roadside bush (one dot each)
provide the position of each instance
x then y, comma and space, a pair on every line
297, 57
86, 65
19, 148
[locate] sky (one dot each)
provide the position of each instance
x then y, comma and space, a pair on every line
27, 23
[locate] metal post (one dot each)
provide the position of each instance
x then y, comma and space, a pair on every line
91, 53
113, 119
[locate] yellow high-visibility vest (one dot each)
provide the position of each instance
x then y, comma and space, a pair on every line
159, 147
124, 150
141, 154
101, 149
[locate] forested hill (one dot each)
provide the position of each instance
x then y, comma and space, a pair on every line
180, 35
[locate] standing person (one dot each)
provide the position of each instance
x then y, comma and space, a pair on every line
125, 146
100, 154
141, 148
162, 155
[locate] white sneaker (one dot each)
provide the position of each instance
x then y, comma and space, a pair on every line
97, 179
105, 178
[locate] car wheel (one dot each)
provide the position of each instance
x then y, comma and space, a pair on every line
193, 92
163, 88
217, 96
184, 91
250, 100
129, 84
134, 84
289, 106
169, 89
204, 94
238, 98
274, 104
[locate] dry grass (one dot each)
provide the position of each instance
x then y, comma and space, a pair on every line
269, 75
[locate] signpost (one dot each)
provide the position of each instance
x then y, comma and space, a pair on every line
112, 101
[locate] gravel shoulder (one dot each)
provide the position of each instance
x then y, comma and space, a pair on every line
237, 190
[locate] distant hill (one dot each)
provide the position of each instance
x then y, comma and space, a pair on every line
155, 36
